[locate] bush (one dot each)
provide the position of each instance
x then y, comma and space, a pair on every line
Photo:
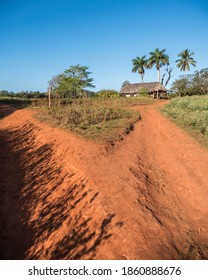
107, 93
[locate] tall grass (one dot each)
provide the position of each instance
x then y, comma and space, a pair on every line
192, 113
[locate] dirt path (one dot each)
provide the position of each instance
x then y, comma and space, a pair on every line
63, 197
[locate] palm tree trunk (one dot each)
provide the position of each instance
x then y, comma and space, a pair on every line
158, 75
142, 77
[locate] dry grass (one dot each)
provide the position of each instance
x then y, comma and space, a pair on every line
101, 119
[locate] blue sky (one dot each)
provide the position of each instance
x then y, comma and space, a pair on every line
42, 38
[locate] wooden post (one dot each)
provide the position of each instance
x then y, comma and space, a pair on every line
49, 96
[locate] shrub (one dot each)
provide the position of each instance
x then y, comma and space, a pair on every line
107, 93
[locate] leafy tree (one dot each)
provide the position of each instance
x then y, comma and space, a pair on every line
139, 65
185, 59
72, 82
185, 86
200, 81
194, 84
159, 59
180, 86
125, 83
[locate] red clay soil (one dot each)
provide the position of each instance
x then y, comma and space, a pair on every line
64, 197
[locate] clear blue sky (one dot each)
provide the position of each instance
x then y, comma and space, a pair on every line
42, 38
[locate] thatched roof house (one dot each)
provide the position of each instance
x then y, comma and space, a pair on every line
154, 89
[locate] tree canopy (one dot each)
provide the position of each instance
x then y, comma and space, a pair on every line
139, 65
125, 83
72, 82
158, 58
193, 84
185, 59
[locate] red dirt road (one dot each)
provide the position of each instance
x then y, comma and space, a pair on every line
63, 197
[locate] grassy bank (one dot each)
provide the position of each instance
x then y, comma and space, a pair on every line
101, 119
192, 114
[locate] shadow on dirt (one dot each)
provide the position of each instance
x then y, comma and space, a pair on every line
80, 243
6, 110
15, 235
46, 210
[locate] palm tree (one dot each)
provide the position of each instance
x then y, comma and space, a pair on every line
139, 64
159, 59
185, 60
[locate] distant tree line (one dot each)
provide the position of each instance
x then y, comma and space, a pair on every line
23, 94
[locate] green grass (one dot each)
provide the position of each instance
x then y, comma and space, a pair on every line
101, 119
192, 114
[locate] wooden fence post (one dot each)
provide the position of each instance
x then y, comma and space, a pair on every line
49, 96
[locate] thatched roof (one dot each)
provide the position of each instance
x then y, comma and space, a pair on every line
136, 88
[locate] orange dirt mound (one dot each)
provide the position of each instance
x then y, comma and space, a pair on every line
64, 197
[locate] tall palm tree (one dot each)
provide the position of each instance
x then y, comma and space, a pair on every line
159, 59
185, 60
139, 65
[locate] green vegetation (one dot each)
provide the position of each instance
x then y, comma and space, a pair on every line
16, 101
22, 94
72, 82
125, 83
139, 65
185, 59
106, 93
159, 59
192, 114
195, 84
23, 98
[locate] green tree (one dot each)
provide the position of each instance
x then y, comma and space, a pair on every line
125, 83
200, 81
185, 86
72, 82
159, 59
184, 61
139, 65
